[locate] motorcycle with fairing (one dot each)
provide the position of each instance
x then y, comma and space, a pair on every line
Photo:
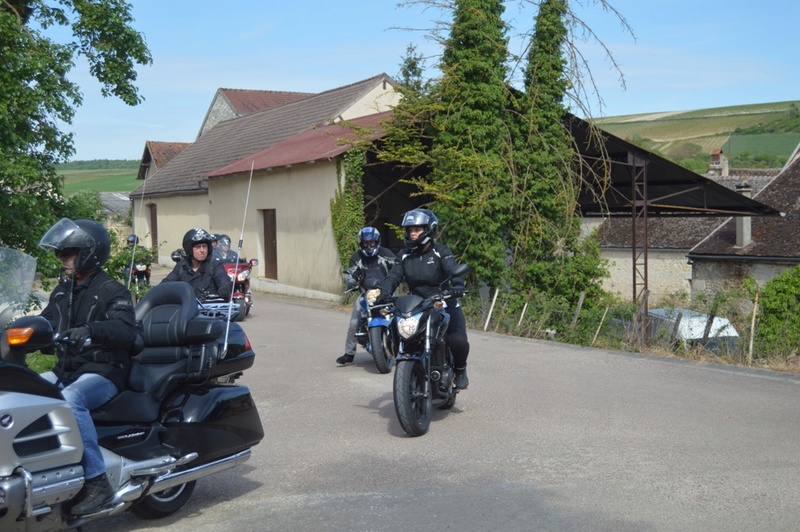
181, 417
424, 372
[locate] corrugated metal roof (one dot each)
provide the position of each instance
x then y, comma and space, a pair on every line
671, 189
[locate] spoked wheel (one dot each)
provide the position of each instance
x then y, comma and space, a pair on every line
164, 503
412, 404
380, 341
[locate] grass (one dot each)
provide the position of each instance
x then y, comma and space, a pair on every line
105, 180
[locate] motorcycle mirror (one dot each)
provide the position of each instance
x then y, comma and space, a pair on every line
460, 271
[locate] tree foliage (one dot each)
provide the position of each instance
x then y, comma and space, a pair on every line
779, 314
503, 174
37, 97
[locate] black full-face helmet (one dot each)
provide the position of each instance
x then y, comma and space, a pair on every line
369, 241
196, 236
424, 218
224, 240
132, 240
89, 238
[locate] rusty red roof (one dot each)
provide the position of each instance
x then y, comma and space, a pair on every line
314, 144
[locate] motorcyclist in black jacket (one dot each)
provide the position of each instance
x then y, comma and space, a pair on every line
95, 312
424, 265
206, 276
370, 264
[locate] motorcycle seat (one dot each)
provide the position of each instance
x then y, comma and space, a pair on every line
176, 339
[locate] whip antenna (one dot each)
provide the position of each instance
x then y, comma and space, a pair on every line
238, 256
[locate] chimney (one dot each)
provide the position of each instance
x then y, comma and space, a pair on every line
743, 232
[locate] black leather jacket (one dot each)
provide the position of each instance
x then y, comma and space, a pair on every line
210, 277
363, 271
105, 305
423, 271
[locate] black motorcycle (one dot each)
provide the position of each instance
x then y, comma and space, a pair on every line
180, 419
424, 373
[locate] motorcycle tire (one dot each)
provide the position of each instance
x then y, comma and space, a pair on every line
164, 503
411, 404
380, 342
242, 309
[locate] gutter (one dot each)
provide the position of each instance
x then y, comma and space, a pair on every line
745, 258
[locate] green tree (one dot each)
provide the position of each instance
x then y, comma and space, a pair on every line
779, 315
36, 96
547, 252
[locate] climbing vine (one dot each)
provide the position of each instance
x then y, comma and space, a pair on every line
347, 205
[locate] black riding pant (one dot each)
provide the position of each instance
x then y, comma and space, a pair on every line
457, 336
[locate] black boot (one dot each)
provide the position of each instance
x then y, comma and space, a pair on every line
95, 494
461, 381
345, 359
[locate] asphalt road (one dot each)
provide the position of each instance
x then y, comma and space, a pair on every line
548, 437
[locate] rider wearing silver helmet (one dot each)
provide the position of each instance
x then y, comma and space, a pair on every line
95, 314
368, 266
424, 265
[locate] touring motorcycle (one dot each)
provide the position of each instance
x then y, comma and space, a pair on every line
181, 417
239, 272
423, 378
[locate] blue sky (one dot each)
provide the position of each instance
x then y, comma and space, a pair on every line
686, 54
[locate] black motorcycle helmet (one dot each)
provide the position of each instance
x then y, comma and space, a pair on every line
224, 240
177, 255
196, 236
89, 238
369, 241
424, 218
132, 240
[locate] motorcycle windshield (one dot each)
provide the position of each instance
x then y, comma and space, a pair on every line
17, 270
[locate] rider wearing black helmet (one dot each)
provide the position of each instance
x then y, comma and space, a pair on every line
424, 265
223, 252
368, 265
198, 269
95, 312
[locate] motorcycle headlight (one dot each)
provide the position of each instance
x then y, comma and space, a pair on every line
408, 326
242, 277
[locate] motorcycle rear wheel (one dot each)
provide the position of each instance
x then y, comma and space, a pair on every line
380, 342
164, 503
411, 404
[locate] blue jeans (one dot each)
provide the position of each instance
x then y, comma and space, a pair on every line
88, 392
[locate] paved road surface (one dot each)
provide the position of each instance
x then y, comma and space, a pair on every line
548, 437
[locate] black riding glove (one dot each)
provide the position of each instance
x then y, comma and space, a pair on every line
78, 337
458, 291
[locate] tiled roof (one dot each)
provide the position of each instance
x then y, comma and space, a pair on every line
773, 236
314, 144
236, 139
246, 102
158, 154
115, 202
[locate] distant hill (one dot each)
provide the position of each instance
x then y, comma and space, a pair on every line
758, 135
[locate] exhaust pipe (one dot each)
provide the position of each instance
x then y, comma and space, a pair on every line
177, 478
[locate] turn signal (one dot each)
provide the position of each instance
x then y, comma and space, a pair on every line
19, 336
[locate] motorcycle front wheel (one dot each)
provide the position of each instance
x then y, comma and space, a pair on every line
380, 341
412, 404
164, 503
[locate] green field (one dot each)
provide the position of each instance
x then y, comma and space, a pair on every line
708, 128
106, 180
